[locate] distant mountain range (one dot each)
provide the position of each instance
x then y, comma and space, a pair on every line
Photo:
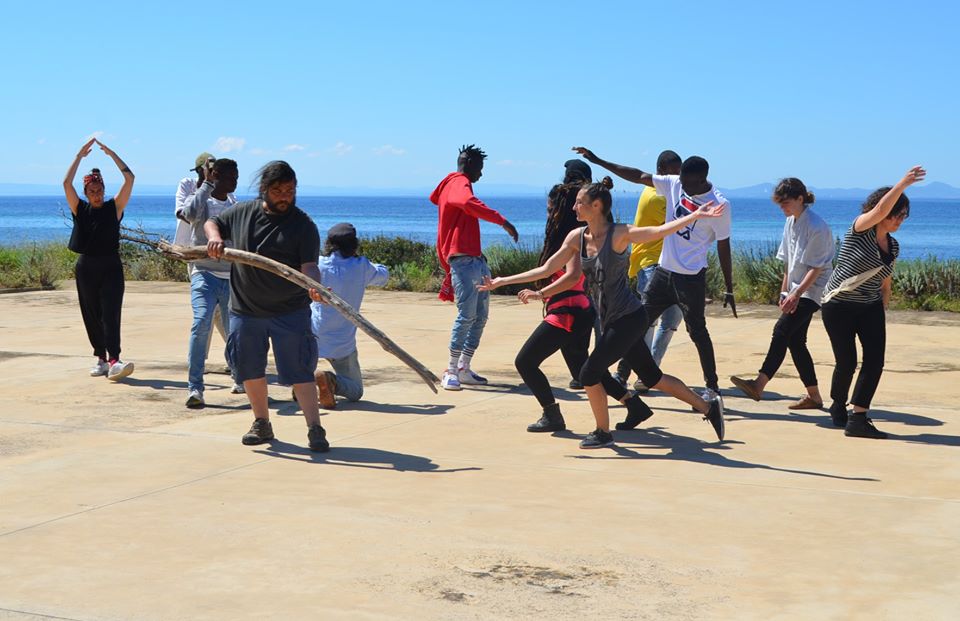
930, 191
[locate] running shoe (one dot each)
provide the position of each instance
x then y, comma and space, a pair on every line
119, 370
102, 367
450, 381
195, 400
469, 378
317, 437
260, 431
715, 416
598, 438
237, 389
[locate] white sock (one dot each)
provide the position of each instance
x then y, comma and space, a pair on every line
465, 358
453, 362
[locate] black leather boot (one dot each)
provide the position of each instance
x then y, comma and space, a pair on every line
552, 420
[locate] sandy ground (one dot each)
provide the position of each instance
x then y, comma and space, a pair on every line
116, 502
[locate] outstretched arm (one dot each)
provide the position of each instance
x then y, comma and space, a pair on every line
634, 175
68, 190
127, 187
640, 234
882, 209
571, 245
571, 275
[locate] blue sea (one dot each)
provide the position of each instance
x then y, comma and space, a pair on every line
931, 230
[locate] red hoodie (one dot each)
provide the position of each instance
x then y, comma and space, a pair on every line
458, 231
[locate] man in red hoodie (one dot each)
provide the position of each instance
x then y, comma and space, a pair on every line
458, 247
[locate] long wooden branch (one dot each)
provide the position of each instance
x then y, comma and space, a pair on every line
193, 253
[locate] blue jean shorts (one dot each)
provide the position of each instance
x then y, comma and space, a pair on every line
294, 347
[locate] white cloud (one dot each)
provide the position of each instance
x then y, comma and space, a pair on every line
226, 144
340, 149
389, 149
294, 147
257, 151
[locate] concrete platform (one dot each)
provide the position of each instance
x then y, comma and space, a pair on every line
116, 502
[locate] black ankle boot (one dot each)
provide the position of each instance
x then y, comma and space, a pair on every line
637, 412
838, 413
859, 426
552, 420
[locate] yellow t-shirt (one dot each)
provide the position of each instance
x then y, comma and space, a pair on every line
651, 211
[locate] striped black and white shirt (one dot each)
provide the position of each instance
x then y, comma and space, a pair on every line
860, 253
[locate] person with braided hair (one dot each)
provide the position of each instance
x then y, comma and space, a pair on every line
459, 252
599, 250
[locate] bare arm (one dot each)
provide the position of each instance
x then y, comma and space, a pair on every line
571, 245
726, 266
634, 175
789, 304
571, 275
214, 239
123, 196
68, 190
882, 209
627, 234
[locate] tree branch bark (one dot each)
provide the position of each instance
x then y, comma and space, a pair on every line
193, 253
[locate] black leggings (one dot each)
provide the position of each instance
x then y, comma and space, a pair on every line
100, 290
573, 345
790, 332
845, 323
622, 338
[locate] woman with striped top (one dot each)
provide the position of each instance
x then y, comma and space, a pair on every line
855, 299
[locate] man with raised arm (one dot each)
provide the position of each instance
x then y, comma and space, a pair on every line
681, 276
459, 252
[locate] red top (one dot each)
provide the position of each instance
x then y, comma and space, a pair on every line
458, 231
559, 311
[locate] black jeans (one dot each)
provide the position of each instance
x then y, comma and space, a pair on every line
100, 288
621, 339
688, 291
845, 323
790, 332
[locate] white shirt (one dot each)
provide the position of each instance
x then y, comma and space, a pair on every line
807, 243
186, 189
685, 252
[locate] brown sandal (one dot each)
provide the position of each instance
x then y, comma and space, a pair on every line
805, 403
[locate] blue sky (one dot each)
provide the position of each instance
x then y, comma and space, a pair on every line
382, 94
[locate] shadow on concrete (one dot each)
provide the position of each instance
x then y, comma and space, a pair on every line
358, 457
821, 418
291, 408
682, 448
927, 438
156, 384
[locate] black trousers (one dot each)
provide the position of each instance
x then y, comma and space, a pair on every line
544, 342
790, 332
100, 288
689, 292
622, 338
847, 322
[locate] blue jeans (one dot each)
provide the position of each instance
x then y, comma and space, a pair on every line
206, 293
349, 379
473, 307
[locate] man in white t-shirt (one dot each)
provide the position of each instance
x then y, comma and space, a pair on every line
209, 278
681, 277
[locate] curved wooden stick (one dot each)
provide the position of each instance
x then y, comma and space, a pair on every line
193, 253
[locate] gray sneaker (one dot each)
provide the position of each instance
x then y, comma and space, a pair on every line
260, 431
195, 400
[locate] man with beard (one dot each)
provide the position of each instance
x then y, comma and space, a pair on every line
265, 308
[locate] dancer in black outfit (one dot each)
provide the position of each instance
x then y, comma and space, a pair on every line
99, 273
855, 300
600, 251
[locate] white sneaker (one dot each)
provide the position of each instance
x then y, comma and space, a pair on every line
195, 400
450, 381
119, 370
468, 377
101, 368
237, 389
708, 395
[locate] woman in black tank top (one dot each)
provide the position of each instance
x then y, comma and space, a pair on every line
600, 245
99, 273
